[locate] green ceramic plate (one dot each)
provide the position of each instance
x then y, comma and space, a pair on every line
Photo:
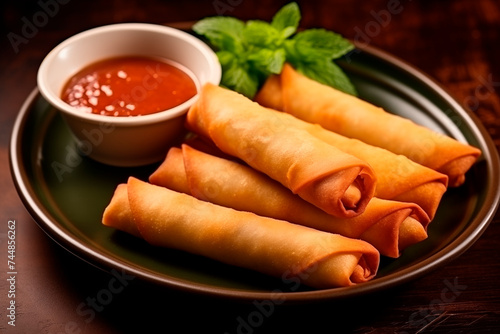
67, 193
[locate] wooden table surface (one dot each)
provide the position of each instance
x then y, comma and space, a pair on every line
455, 42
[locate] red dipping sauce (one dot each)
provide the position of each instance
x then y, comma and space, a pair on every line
129, 86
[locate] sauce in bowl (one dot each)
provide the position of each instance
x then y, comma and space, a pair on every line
129, 86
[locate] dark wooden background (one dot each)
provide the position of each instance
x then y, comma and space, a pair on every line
455, 42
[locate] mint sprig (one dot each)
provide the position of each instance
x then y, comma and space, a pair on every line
251, 51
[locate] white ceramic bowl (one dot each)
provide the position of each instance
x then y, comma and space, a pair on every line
135, 140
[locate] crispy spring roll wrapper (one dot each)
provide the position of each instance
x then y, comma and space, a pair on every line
352, 117
388, 225
117, 214
207, 146
398, 177
323, 175
166, 218
270, 94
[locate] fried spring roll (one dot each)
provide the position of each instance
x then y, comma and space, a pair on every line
398, 178
388, 225
118, 214
352, 117
323, 175
270, 94
166, 218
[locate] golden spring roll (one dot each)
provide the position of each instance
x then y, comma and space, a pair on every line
166, 218
398, 178
270, 94
205, 145
388, 225
117, 213
323, 175
352, 117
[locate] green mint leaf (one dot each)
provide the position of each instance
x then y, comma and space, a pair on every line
238, 77
297, 54
328, 73
222, 32
226, 58
267, 61
261, 34
320, 43
250, 52
287, 19
287, 32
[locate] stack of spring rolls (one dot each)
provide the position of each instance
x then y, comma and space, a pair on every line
301, 183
